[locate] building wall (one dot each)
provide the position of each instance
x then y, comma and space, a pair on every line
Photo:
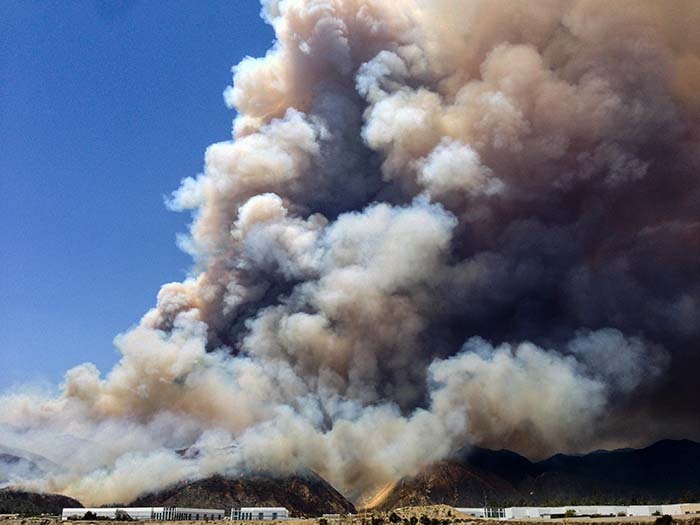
638, 510
516, 513
188, 513
672, 510
477, 512
260, 513
148, 513
582, 510
690, 508
141, 513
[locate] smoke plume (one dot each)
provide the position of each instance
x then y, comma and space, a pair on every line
438, 223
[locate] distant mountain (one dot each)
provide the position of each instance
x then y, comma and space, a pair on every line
15, 467
505, 464
304, 494
666, 471
33, 503
19, 464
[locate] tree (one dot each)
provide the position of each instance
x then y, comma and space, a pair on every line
570, 513
122, 515
413, 520
664, 520
394, 518
323, 521
425, 520
89, 515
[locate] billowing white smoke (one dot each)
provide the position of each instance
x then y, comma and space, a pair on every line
438, 224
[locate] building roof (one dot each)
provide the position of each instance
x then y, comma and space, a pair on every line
262, 509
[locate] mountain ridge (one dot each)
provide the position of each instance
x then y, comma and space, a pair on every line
304, 494
13, 501
664, 471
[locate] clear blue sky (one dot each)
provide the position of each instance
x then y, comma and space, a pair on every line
104, 107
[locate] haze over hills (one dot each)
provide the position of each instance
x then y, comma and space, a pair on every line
665, 471
304, 494
12, 466
17, 464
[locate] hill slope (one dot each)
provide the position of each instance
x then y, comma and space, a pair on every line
21, 502
666, 471
449, 483
305, 494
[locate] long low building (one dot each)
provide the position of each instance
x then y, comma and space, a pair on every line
259, 513
145, 513
676, 509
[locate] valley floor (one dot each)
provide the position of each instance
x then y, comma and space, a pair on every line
438, 515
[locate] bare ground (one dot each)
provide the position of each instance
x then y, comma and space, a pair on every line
444, 515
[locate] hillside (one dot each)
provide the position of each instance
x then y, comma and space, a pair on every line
304, 494
449, 483
33, 503
666, 471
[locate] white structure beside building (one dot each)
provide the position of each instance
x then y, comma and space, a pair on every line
146, 513
475, 512
259, 513
676, 509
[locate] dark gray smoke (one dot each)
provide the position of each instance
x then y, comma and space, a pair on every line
438, 224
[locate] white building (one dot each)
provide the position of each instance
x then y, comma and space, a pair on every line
690, 508
259, 513
643, 510
146, 513
576, 510
672, 510
476, 512
676, 509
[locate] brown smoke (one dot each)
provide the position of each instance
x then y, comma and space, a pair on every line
437, 224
